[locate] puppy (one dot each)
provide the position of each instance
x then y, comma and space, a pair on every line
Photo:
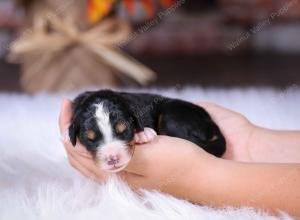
109, 123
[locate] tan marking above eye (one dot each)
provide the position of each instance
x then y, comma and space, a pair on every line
90, 134
120, 127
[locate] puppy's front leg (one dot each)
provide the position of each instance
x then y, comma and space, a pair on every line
145, 136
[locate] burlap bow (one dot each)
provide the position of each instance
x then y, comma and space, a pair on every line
51, 34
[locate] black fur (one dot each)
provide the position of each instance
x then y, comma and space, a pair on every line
172, 117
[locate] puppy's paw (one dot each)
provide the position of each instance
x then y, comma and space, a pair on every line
145, 136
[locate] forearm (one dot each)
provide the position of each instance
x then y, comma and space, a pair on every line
270, 187
275, 146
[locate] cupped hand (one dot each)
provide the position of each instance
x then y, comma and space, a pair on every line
171, 165
237, 129
176, 153
78, 156
176, 166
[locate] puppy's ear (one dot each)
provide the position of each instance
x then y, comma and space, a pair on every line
75, 125
73, 132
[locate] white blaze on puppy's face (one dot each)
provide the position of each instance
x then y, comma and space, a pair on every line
102, 117
113, 153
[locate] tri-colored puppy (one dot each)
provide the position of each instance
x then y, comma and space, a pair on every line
109, 123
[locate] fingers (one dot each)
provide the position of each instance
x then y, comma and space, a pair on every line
64, 123
206, 104
77, 150
86, 166
65, 115
215, 109
211, 107
83, 161
80, 168
217, 112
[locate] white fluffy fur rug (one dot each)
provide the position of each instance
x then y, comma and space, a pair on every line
36, 181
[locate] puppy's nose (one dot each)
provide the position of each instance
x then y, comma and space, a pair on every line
113, 159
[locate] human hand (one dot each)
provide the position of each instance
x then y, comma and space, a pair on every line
171, 165
228, 121
78, 156
184, 170
161, 164
237, 130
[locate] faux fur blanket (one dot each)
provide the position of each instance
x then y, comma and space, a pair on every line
36, 181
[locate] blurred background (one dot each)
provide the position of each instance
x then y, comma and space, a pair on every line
209, 43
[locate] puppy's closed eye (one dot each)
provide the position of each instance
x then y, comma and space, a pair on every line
120, 127
90, 134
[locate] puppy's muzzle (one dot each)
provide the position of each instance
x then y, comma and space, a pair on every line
114, 156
